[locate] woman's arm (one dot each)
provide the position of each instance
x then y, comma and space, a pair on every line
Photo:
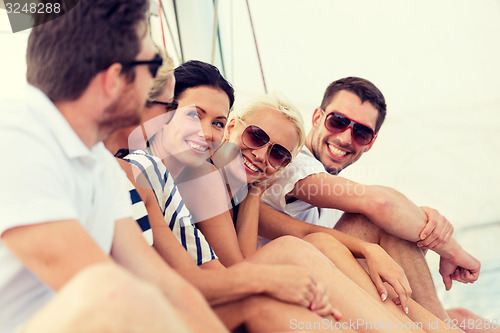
220, 234
247, 222
205, 194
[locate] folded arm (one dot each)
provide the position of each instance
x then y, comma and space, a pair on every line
131, 251
384, 206
220, 285
286, 283
53, 250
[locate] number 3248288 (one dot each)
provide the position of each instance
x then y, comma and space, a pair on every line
477, 324
32, 8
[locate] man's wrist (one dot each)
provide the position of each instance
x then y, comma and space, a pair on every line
449, 250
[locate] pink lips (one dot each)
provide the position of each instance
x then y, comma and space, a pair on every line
336, 153
247, 160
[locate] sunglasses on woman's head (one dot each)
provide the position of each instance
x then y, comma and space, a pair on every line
254, 137
337, 123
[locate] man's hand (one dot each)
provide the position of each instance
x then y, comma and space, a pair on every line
384, 269
296, 285
462, 268
437, 232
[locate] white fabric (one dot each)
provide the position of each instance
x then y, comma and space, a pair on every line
302, 166
177, 216
140, 212
48, 174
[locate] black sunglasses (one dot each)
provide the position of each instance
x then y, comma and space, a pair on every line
169, 106
336, 123
254, 137
153, 64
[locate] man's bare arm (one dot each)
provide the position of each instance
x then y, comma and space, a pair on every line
217, 284
131, 251
53, 250
387, 208
384, 206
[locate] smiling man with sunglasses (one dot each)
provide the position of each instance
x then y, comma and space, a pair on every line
314, 197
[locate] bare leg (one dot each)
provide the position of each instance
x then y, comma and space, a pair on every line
405, 253
106, 298
471, 322
354, 303
262, 314
342, 258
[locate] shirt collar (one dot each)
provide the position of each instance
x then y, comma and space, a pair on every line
70, 142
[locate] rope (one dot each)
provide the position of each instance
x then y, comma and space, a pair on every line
257, 48
214, 32
179, 56
223, 65
232, 41
216, 39
178, 30
161, 25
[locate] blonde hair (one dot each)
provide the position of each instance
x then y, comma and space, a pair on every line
164, 75
280, 103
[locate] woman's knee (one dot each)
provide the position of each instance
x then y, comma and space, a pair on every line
325, 242
285, 250
295, 246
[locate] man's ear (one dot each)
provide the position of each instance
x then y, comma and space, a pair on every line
368, 147
316, 118
113, 80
